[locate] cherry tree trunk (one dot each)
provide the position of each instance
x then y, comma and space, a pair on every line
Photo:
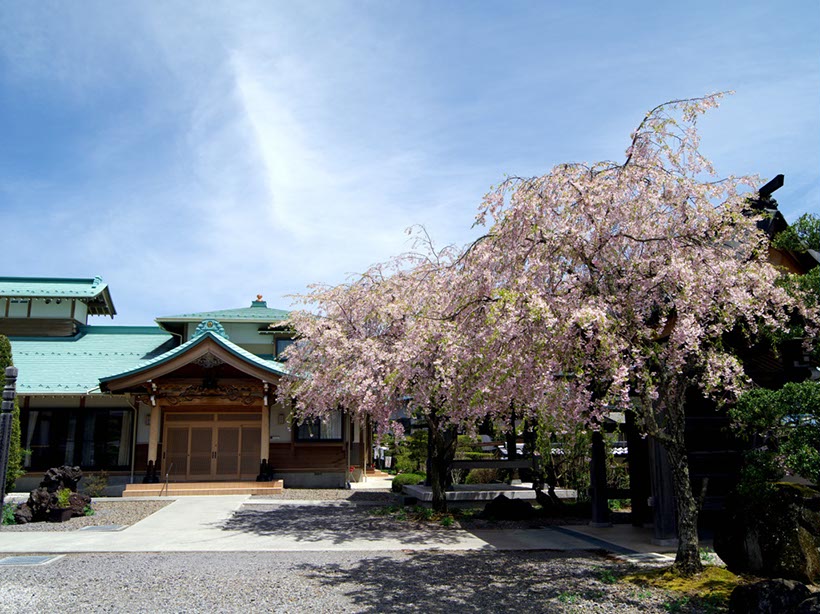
687, 560
442, 451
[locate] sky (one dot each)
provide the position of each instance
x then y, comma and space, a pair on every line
195, 155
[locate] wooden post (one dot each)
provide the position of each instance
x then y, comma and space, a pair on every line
663, 502
265, 440
265, 470
153, 442
638, 463
598, 486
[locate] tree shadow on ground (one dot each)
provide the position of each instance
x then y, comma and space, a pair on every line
336, 524
488, 581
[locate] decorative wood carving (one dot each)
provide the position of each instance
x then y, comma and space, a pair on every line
179, 393
208, 361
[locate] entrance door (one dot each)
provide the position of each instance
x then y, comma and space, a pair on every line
176, 455
204, 447
201, 456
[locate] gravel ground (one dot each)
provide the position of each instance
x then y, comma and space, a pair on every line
330, 494
452, 582
315, 522
121, 513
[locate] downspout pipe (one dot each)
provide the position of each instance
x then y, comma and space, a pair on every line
349, 438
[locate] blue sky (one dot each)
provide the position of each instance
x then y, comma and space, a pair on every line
196, 154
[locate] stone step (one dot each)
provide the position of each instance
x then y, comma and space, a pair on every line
203, 488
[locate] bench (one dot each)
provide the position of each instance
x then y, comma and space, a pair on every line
492, 464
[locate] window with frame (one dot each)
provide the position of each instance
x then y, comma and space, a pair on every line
91, 438
281, 345
328, 428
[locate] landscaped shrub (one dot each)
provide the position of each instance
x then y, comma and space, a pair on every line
482, 476
410, 453
783, 427
63, 498
94, 485
8, 513
407, 479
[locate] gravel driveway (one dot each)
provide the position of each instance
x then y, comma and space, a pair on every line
453, 582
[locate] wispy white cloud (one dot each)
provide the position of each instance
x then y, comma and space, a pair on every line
195, 155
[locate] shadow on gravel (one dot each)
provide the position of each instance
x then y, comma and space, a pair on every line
339, 525
385, 497
482, 581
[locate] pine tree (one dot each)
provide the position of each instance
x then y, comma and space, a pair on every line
15, 467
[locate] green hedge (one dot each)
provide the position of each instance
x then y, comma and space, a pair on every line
407, 479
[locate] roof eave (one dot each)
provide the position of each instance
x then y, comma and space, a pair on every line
167, 365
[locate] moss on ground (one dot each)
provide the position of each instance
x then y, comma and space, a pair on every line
712, 586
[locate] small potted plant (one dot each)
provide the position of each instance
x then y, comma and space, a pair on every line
63, 511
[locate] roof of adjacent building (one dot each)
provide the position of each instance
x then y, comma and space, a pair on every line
94, 291
74, 365
257, 312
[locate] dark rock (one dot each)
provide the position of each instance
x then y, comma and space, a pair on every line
768, 597
62, 477
77, 503
809, 606
504, 508
43, 503
774, 534
39, 500
23, 514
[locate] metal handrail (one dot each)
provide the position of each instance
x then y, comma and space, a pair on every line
165, 486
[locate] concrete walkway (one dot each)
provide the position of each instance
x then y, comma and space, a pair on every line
211, 524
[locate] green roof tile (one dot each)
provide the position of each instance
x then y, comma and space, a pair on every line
257, 312
74, 365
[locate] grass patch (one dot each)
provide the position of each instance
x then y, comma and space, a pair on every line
709, 589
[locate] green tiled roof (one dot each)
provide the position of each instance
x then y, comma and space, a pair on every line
272, 366
257, 312
74, 365
93, 290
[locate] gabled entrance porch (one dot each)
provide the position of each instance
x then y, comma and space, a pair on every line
210, 410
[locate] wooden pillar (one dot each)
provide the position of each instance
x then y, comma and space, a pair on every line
638, 463
151, 474
265, 440
598, 486
663, 501
265, 470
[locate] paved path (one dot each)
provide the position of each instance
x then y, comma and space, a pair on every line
226, 524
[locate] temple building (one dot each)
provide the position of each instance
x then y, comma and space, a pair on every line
192, 398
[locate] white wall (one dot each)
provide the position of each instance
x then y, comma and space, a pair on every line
42, 309
279, 433
244, 334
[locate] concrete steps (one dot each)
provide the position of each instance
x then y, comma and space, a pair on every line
203, 488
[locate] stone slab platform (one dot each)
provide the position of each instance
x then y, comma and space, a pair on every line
190, 489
